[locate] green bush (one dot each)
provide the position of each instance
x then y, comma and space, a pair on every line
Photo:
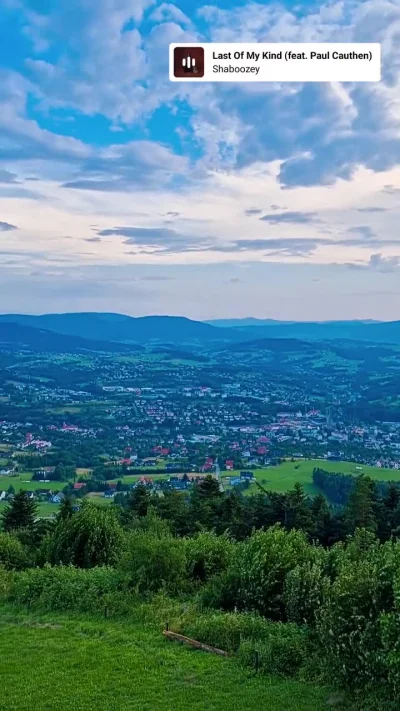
208, 554
227, 630
89, 538
66, 588
13, 555
349, 620
261, 566
390, 635
283, 652
151, 563
220, 592
6, 584
304, 589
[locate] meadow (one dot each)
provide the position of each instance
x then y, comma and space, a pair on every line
23, 481
86, 663
281, 479
45, 509
286, 475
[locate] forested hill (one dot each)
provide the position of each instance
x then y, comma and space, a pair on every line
175, 329
16, 337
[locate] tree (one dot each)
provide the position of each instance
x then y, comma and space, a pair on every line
174, 507
232, 516
59, 472
322, 520
360, 508
389, 519
66, 509
297, 510
91, 537
205, 502
21, 513
209, 488
13, 555
139, 501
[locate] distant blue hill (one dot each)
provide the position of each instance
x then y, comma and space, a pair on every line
182, 331
244, 322
19, 337
120, 328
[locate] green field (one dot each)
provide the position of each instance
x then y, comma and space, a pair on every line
286, 475
62, 662
133, 478
45, 510
23, 481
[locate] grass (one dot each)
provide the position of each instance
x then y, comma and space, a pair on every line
87, 663
133, 478
286, 475
23, 481
45, 510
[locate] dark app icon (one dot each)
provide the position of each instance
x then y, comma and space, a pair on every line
189, 62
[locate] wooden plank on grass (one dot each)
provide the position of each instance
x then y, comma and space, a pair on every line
173, 636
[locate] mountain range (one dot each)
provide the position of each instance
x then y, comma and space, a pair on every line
101, 331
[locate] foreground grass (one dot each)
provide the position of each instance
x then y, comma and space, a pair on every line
64, 662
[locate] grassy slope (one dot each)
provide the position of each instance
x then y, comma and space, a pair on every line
55, 662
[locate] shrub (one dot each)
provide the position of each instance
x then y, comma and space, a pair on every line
303, 592
349, 621
151, 563
283, 652
221, 591
13, 555
6, 583
282, 647
66, 588
261, 567
390, 635
208, 554
227, 630
91, 537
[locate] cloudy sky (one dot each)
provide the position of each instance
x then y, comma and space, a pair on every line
121, 191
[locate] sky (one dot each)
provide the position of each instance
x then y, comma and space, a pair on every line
122, 191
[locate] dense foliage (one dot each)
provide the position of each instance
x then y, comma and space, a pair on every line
277, 591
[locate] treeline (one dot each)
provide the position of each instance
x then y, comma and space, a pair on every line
338, 487
275, 599
206, 507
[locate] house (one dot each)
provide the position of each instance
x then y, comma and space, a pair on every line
246, 476
79, 485
229, 464
56, 498
109, 494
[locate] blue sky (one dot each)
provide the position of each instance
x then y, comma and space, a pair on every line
122, 191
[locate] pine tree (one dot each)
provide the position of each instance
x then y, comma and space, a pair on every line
21, 513
360, 508
66, 509
209, 488
322, 520
139, 501
297, 510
